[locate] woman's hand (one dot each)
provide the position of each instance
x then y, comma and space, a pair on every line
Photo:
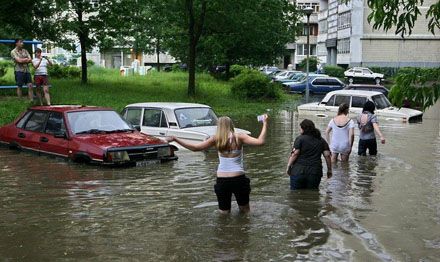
170, 139
382, 140
265, 118
329, 174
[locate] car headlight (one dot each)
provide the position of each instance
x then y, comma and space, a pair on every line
118, 156
163, 152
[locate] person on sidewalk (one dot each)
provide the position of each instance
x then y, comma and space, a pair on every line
21, 58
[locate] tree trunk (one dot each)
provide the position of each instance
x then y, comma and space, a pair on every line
157, 55
82, 41
194, 33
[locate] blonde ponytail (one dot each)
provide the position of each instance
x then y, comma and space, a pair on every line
224, 134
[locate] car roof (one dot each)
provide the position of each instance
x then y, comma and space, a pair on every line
366, 86
169, 105
67, 108
354, 92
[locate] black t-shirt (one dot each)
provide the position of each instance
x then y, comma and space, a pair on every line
311, 149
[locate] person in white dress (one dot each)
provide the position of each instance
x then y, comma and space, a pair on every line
341, 139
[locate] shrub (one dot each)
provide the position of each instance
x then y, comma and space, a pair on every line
4, 65
252, 84
57, 71
90, 63
235, 70
313, 64
335, 71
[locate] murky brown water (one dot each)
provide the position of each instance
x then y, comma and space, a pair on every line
382, 208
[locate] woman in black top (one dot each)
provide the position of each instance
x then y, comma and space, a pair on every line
304, 165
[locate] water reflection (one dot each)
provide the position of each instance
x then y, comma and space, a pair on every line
374, 208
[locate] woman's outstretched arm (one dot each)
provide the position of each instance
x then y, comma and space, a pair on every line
248, 140
193, 147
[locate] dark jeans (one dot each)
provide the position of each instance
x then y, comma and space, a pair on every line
305, 177
369, 144
226, 186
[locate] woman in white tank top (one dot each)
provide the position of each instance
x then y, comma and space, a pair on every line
230, 173
342, 129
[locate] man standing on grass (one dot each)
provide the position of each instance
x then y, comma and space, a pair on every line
21, 59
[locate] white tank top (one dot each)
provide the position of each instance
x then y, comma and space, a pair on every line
231, 164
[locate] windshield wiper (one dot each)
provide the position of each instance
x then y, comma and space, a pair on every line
92, 131
120, 130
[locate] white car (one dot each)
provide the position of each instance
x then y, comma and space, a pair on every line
328, 107
190, 122
363, 73
284, 75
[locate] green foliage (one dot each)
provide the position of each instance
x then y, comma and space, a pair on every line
4, 65
418, 85
313, 64
90, 63
402, 14
255, 86
335, 71
235, 70
57, 71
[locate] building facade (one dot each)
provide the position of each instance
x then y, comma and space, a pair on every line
297, 51
347, 39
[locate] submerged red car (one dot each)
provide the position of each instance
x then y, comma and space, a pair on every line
84, 134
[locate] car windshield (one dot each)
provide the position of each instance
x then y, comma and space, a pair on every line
87, 122
381, 101
193, 117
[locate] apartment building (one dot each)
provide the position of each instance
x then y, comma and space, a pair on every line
346, 38
297, 51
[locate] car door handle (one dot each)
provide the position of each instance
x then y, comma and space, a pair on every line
21, 135
162, 133
44, 139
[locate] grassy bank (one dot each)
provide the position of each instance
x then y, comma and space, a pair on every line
107, 88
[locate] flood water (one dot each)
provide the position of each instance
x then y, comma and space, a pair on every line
384, 208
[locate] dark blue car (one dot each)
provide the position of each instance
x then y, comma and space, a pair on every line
317, 85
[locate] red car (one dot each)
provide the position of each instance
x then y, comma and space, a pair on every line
84, 134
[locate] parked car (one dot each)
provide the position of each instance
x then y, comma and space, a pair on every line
317, 85
274, 73
293, 78
284, 75
328, 107
269, 69
84, 134
366, 87
363, 74
190, 122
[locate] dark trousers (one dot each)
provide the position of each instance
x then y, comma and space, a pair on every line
305, 177
369, 144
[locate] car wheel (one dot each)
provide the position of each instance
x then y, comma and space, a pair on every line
350, 80
377, 80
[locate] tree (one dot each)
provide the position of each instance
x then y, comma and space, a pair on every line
207, 33
402, 14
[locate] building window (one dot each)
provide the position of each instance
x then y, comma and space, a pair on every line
301, 49
344, 20
344, 46
315, 6
313, 29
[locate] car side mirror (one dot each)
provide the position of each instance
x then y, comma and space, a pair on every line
137, 127
60, 135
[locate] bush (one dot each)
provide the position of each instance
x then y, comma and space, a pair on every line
335, 71
252, 84
313, 64
57, 71
90, 63
4, 65
235, 70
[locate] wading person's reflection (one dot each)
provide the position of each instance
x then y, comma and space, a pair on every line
308, 229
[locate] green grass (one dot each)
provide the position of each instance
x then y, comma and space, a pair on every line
107, 88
